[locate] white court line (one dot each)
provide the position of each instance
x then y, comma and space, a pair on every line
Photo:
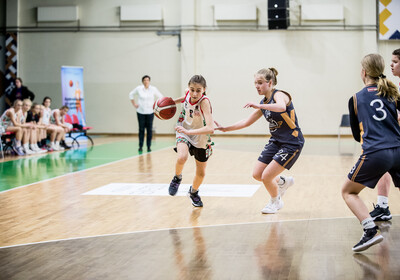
177, 228
102, 165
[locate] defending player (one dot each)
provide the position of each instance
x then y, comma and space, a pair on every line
381, 210
195, 124
286, 142
373, 119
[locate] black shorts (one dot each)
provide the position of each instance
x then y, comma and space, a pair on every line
284, 154
371, 167
199, 154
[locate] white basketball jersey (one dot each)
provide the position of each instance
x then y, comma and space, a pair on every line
46, 116
191, 117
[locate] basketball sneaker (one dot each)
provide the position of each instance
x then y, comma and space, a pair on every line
273, 207
380, 214
370, 237
174, 186
196, 199
287, 182
18, 150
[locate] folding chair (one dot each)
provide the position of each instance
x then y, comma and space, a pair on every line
344, 124
80, 132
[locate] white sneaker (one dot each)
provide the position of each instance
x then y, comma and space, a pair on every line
288, 181
54, 147
29, 151
39, 150
272, 207
59, 148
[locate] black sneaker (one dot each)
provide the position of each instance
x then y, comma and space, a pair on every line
196, 199
370, 237
64, 145
174, 186
380, 213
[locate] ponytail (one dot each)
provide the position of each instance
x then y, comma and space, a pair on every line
387, 89
373, 64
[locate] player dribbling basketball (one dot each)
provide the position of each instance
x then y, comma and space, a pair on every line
195, 124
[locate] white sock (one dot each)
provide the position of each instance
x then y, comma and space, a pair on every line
26, 146
383, 201
368, 223
274, 199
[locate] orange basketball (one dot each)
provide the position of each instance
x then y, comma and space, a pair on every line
164, 108
71, 83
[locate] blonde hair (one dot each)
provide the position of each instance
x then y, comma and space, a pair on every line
374, 64
268, 75
27, 101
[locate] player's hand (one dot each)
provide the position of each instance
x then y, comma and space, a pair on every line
181, 129
252, 105
219, 127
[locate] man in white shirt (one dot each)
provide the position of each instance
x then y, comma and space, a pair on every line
146, 96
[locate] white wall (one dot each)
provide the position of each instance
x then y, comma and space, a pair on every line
320, 68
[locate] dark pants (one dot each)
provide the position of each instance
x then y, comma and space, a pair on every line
145, 122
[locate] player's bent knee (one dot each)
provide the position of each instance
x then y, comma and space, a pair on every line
182, 159
257, 176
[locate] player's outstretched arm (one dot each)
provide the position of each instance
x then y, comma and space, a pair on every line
241, 124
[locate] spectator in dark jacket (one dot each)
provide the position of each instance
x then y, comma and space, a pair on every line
19, 92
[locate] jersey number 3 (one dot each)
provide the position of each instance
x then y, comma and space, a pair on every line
382, 113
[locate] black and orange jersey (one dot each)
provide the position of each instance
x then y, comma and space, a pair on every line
373, 120
283, 126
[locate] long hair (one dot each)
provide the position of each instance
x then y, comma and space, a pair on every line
373, 64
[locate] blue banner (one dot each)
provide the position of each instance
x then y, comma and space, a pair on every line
72, 94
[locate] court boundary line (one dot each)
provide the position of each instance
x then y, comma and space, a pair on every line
177, 228
75, 172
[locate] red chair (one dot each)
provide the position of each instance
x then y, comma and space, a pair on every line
82, 132
68, 119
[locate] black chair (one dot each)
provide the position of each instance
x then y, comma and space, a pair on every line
344, 124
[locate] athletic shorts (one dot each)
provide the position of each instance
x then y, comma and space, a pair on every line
199, 154
284, 154
371, 167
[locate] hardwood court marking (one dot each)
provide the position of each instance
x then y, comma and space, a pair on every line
223, 190
176, 228
82, 170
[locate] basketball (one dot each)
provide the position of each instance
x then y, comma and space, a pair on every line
164, 108
71, 83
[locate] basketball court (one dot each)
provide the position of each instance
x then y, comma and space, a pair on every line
99, 214
102, 209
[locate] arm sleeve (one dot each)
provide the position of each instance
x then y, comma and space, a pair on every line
31, 95
157, 93
355, 129
133, 93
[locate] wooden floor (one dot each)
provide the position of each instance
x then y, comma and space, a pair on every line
50, 230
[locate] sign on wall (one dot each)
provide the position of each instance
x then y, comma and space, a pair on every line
389, 19
72, 93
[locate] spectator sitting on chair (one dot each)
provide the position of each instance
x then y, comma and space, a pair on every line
57, 118
144, 109
33, 117
56, 132
19, 92
9, 121
30, 130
